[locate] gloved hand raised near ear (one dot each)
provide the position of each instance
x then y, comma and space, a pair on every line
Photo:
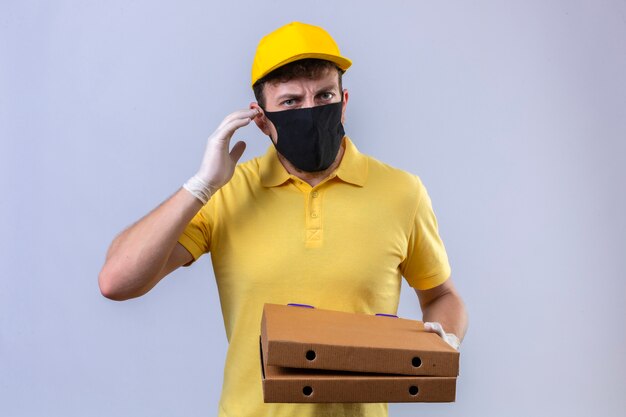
218, 163
450, 338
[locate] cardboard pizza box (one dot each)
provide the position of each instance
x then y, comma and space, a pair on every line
311, 338
289, 385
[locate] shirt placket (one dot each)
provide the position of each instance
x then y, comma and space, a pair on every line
314, 230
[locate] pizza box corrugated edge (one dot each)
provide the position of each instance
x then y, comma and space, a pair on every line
322, 350
285, 385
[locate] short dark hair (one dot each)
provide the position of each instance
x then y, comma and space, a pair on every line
309, 68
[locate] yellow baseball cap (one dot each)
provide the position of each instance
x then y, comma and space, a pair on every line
292, 42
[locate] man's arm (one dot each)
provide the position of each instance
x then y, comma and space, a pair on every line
444, 305
147, 251
144, 253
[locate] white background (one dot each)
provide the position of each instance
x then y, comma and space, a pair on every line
512, 113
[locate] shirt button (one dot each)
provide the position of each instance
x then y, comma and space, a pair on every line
314, 194
314, 215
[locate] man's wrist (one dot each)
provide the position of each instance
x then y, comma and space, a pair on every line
453, 340
199, 189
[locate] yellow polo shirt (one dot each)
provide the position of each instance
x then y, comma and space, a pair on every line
341, 245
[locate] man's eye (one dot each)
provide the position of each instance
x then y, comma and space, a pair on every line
289, 102
327, 95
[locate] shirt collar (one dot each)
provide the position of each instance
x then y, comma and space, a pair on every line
352, 168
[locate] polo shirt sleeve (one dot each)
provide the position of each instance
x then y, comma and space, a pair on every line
196, 237
426, 264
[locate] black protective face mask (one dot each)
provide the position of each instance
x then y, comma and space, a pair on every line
309, 137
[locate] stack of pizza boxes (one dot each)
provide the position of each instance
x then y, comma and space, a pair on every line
311, 355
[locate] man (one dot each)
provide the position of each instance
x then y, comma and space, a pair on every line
312, 221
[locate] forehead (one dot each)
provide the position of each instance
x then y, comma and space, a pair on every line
300, 85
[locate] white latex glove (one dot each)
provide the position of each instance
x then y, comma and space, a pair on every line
450, 338
218, 164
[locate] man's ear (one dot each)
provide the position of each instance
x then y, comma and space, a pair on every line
344, 105
263, 122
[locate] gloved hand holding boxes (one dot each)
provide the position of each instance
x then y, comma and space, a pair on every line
309, 355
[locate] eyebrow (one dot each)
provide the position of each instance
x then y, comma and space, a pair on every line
288, 95
329, 87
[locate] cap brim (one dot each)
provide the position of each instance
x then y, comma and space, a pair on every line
343, 63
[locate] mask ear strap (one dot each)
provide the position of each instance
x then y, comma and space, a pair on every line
269, 136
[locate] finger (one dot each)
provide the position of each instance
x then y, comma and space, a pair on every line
235, 123
237, 151
239, 114
224, 134
434, 327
